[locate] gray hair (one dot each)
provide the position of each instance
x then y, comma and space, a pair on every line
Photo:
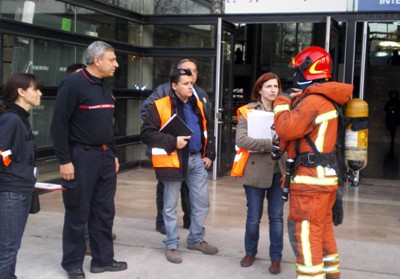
179, 66
96, 49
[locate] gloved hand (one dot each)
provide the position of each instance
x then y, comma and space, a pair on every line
293, 92
276, 153
337, 210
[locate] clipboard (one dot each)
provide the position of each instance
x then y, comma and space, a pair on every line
176, 127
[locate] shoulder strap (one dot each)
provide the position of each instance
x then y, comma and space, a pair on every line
335, 159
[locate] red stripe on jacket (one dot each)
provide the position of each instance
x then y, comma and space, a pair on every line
105, 106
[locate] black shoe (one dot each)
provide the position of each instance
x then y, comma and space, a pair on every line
76, 274
161, 229
114, 266
186, 225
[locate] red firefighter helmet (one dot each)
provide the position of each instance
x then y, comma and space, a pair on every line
313, 62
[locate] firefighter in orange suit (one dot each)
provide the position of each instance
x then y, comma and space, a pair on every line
304, 114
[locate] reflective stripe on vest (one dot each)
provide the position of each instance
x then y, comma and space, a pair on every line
6, 157
242, 154
204, 123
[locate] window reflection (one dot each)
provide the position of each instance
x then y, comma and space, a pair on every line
66, 17
162, 7
46, 59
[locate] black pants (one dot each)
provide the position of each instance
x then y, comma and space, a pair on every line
89, 199
185, 204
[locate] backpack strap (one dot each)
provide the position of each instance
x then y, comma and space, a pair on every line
334, 159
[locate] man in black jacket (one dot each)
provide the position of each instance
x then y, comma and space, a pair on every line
158, 93
83, 138
177, 158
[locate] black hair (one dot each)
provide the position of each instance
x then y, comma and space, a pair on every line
176, 75
13, 83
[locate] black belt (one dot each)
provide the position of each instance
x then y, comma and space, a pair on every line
312, 160
102, 147
193, 153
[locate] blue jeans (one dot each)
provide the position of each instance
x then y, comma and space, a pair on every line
197, 181
14, 211
255, 205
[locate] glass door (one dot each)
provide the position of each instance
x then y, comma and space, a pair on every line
381, 89
224, 111
335, 42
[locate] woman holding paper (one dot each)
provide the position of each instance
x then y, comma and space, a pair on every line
261, 175
17, 161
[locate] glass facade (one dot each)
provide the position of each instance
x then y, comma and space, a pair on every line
63, 16
139, 70
150, 37
162, 7
280, 43
69, 18
44, 58
179, 36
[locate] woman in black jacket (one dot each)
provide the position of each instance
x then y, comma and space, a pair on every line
17, 164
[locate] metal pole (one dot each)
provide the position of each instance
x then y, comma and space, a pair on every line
217, 94
363, 59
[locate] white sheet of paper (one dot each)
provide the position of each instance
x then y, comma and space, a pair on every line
259, 124
48, 186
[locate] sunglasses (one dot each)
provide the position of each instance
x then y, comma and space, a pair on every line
183, 72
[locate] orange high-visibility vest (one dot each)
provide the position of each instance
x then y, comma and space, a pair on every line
242, 154
159, 157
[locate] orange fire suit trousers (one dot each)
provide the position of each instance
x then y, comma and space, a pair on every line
311, 235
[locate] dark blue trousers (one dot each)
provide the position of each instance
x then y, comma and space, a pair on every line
89, 198
14, 211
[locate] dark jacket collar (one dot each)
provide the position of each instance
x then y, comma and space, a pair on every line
18, 110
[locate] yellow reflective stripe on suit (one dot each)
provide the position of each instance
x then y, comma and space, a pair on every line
280, 108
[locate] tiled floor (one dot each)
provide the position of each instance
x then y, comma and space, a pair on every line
369, 239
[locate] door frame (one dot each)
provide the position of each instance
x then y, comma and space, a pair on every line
222, 26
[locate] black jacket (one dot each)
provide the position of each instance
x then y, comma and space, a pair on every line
165, 90
151, 136
16, 135
83, 114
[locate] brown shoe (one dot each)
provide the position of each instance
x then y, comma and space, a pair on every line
203, 247
247, 261
87, 251
173, 256
275, 267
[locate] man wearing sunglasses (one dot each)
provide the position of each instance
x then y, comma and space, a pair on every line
158, 93
177, 158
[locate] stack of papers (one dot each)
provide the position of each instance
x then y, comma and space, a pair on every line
259, 124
